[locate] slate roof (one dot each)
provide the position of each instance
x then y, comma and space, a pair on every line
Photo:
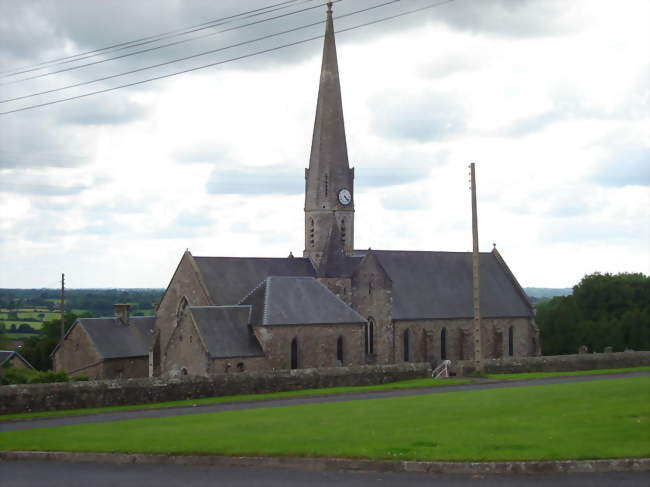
7, 355
230, 279
224, 331
438, 285
298, 301
115, 340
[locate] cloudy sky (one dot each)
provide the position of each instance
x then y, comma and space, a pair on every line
548, 97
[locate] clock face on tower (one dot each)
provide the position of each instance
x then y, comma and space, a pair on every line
345, 196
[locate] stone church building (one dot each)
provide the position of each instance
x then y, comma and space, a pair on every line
333, 306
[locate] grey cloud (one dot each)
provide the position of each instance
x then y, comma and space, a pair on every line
113, 112
574, 106
506, 18
450, 63
422, 118
372, 176
629, 166
568, 208
404, 202
256, 181
35, 140
186, 224
566, 106
211, 153
34, 187
33, 30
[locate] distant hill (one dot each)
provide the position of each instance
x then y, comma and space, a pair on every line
547, 292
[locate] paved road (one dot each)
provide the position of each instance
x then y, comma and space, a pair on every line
25, 473
357, 396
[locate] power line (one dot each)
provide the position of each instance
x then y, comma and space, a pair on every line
149, 39
185, 58
237, 58
168, 44
156, 48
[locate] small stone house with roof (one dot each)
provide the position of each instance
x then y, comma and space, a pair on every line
332, 306
107, 348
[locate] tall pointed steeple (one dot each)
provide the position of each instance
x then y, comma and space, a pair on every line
329, 191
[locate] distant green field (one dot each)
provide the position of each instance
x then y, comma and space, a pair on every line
34, 324
19, 336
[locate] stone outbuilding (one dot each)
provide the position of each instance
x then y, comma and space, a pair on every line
107, 348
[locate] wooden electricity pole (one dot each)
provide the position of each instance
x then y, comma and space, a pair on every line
478, 352
62, 305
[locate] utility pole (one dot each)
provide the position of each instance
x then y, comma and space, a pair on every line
478, 352
62, 319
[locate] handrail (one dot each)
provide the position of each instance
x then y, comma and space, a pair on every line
442, 370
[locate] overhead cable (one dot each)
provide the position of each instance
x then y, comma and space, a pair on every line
237, 58
152, 38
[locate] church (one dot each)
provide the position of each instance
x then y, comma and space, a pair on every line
333, 306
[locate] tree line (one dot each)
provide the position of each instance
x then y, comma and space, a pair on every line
605, 310
96, 302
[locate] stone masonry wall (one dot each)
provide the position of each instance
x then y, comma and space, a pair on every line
80, 356
125, 368
185, 354
425, 339
372, 298
316, 344
236, 365
184, 284
560, 363
73, 395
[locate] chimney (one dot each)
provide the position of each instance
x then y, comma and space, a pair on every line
122, 313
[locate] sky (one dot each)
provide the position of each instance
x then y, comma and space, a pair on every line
550, 100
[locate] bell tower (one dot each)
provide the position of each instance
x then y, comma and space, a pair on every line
329, 181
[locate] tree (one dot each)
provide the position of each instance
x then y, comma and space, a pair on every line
604, 310
37, 349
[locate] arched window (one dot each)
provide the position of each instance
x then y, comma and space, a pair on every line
511, 344
339, 350
311, 232
407, 345
370, 336
443, 344
294, 353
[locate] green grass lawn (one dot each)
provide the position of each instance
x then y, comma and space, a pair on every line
406, 384
544, 375
600, 419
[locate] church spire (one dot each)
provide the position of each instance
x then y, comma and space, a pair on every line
329, 187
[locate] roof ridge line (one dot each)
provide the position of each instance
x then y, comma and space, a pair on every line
259, 284
337, 297
265, 311
220, 306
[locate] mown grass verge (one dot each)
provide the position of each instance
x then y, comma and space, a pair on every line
406, 384
587, 420
545, 375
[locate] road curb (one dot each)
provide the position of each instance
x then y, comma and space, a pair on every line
343, 464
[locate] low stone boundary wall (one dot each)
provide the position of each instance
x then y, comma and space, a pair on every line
75, 395
560, 363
